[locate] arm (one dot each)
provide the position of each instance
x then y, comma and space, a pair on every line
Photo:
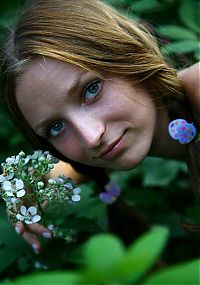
63, 168
190, 78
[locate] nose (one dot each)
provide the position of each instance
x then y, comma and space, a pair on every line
89, 130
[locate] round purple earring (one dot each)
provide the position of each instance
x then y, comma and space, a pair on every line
182, 131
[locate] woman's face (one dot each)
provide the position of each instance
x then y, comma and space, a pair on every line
104, 123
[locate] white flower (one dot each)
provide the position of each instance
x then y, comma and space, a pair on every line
77, 190
7, 177
51, 227
76, 198
36, 154
14, 189
52, 181
40, 184
10, 160
28, 216
68, 186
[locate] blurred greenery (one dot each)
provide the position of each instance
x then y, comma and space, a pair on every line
159, 188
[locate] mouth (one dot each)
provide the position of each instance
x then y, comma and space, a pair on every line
113, 149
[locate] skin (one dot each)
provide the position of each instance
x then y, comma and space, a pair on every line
191, 82
122, 117
84, 127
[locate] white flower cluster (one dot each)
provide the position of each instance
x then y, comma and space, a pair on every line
62, 189
27, 172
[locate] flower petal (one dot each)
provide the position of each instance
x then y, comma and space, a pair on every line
107, 198
76, 198
6, 185
77, 190
68, 185
9, 193
36, 218
21, 193
10, 176
2, 178
10, 160
32, 210
28, 222
23, 210
19, 184
26, 160
20, 217
14, 200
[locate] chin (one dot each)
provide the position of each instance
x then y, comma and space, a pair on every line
131, 162
125, 165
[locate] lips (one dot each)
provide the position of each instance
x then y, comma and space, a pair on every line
113, 149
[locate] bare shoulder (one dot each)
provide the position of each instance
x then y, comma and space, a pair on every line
63, 168
190, 78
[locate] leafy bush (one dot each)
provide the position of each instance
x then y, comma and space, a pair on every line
106, 261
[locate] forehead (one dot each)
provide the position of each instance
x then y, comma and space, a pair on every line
42, 86
44, 76
45, 68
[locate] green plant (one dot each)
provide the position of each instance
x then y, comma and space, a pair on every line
21, 184
183, 38
106, 261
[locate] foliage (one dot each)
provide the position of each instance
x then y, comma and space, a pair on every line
175, 23
132, 265
159, 188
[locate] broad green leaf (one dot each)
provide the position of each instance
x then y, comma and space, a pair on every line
189, 12
142, 255
187, 273
7, 282
160, 172
144, 6
7, 257
50, 278
181, 47
103, 252
197, 55
176, 32
9, 237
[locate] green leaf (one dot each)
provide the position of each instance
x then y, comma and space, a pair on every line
103, 252
142, 255
50, 278
176, 32
197, 55
160, 172
181, 47
7, 257
144, 6
7, 282
189, 12
187, 273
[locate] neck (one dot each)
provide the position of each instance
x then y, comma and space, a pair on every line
163, 145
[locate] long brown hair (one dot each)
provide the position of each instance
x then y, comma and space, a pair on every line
91, 35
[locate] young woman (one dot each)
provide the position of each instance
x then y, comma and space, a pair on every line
91, 86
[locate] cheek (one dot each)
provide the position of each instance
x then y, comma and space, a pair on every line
70, 148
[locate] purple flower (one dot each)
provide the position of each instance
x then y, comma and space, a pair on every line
112, 193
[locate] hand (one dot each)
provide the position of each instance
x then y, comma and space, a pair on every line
30, 234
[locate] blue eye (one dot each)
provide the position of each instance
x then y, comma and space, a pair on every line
55, 129
92, 91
